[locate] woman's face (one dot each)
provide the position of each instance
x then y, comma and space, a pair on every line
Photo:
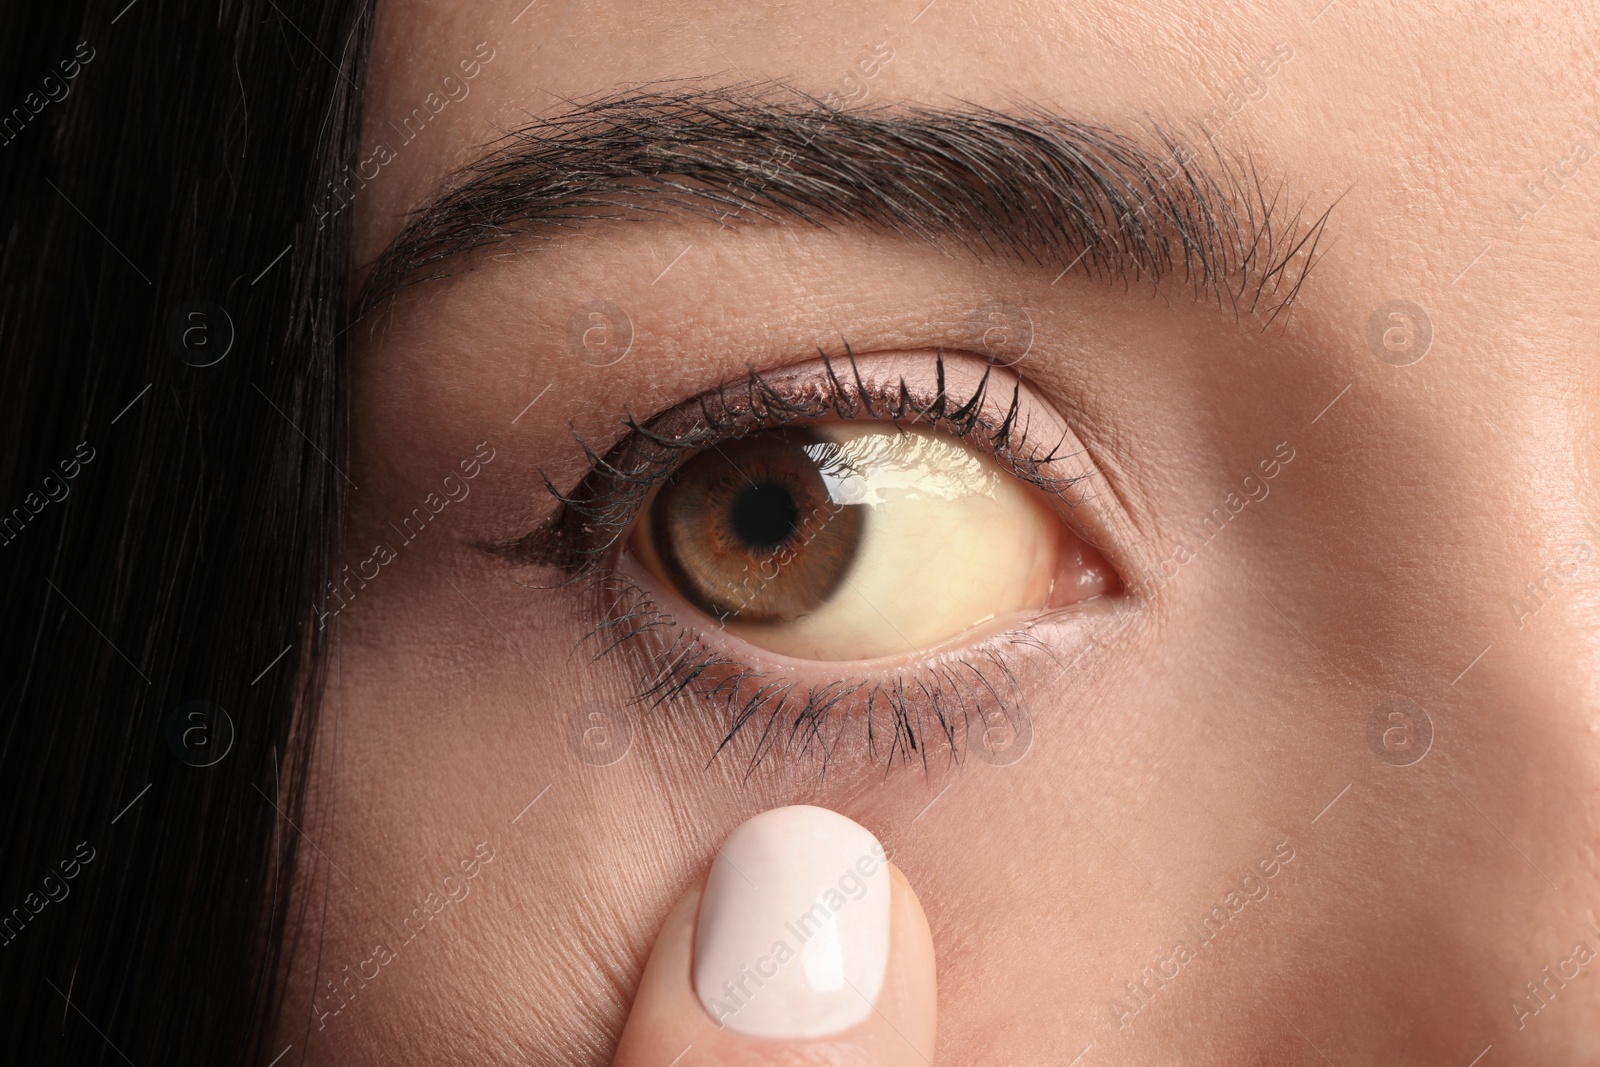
1296, 764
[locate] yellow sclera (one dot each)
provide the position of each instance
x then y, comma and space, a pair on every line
899, 540
948, 541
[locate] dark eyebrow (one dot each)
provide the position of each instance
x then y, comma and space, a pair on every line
1027, 185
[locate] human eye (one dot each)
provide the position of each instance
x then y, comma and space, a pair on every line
843, 533
849, 541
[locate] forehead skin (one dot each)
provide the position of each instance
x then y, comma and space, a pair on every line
1420, 510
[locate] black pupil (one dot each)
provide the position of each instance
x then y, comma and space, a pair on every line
764, 515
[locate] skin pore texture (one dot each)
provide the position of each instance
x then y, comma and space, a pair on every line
1305, 534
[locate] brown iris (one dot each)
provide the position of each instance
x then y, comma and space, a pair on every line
747, 530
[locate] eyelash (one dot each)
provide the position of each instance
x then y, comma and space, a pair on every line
675, 665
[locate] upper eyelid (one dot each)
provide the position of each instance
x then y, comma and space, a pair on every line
609, 496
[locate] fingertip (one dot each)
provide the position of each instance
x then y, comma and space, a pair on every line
803, 944
664, 1012
909, 1002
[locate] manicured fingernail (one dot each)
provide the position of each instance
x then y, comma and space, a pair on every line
792, 939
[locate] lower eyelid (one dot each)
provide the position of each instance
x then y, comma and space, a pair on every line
906, 707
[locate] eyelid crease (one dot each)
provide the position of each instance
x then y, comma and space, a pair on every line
591, 519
